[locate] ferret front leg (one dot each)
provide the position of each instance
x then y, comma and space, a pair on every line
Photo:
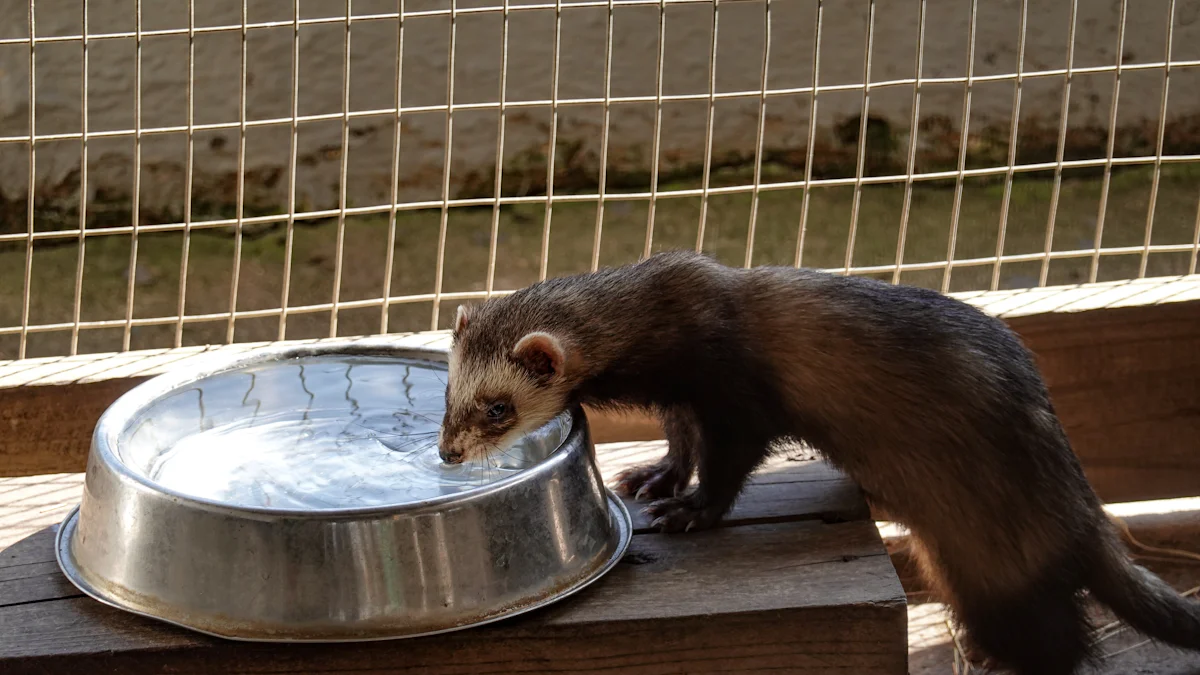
668, 477
725, 460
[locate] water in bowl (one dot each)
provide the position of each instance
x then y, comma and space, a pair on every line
314, 433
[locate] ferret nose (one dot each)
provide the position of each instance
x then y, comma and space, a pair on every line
449, 454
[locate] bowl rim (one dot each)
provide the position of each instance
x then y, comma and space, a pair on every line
114, 420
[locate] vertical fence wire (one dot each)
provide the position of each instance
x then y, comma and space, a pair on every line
81, 241
862, 138
188, 176
812, 136
552, 145
1064, 110
289, 236
498, 186
343, 170
759, 136
1158, 148
602, 178
613, 156
913, 129
1098, 238
390, 255
135, 198
1006, 201
1195, 241
240, 197
706, 179
439, 270
27, 293
189, 173
963, 141
656, 147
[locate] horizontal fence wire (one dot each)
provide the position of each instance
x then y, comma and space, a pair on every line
908, 175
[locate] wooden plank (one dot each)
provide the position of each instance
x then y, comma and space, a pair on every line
812, 598
661, 553
820, 641
1163, 534
931, 648
1126, 384
35, 582
29, 504
49, 407
1012, 303
796, 594
32, 507
48, 429
782, 489
1122, 360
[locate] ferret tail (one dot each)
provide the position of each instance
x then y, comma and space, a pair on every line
1140, 598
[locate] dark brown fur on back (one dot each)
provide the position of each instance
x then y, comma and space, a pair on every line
936, 409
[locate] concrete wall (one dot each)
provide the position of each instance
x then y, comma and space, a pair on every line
476, 77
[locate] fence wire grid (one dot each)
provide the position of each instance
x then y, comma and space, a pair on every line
798, 185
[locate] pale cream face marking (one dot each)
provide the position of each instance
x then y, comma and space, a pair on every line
535, 404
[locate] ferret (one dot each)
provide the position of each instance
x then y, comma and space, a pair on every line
934, 408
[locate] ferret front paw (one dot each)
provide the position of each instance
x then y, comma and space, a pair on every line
681, 514
652, 481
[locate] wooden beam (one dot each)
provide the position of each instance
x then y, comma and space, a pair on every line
1122, 360
812, 597
1126, 385
1163, 535
783, 488
49, 407
838, 596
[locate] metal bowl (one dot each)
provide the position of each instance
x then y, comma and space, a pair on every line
287, 495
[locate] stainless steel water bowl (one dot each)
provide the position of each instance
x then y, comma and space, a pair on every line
294, 494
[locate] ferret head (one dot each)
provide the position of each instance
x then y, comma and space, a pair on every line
500, 388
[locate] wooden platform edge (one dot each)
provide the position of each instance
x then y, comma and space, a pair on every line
814, 594
1122, 360
1161, 532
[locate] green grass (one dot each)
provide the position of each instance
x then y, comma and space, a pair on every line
571, 236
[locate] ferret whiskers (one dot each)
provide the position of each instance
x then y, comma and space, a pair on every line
420, 416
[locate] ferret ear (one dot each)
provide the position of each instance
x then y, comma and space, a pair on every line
461, 319
541, 354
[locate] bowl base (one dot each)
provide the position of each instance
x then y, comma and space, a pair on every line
226, 628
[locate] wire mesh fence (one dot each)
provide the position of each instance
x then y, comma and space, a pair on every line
184, 173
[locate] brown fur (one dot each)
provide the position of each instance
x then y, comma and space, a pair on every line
935, 408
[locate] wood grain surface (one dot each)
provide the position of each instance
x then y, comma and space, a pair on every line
795, 581
1122, 360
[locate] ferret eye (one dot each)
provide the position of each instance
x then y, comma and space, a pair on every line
496, 410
